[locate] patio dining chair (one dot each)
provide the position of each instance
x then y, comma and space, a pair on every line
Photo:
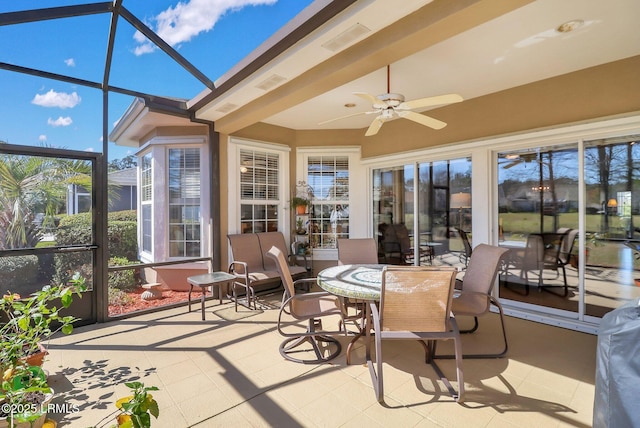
309, 307
415, 303
475, 295
564, 257
397, 248
526, 260
350, 252
466, 255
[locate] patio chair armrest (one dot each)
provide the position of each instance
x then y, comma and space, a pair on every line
240, 268
304, 280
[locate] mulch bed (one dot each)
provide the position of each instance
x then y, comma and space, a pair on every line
168, 297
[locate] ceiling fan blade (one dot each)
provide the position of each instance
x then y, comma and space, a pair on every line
513, 163
373, 100
422, 119
374, 127
430, 102
349, 115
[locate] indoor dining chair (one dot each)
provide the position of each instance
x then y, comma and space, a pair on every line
309, 307
415, 303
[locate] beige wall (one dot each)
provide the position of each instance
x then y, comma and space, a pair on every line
604, 91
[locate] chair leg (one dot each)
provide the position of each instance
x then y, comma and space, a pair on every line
566, 285
287, 347
375, 369
458, 396
500, 354
473, 329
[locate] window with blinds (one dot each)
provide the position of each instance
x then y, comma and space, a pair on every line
184, 202
146, 185
328, 179
259, 191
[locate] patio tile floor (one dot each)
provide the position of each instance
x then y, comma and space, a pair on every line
229, 373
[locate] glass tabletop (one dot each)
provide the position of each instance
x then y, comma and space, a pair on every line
353, 281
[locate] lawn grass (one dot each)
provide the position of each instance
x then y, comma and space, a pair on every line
606, 249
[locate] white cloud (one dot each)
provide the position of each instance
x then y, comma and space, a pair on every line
61, 121
188, 19
42, 138
70, 62
90, 149
57, 99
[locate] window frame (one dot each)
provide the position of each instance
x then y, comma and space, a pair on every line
234, 222
358, 202
145, 253
184, 204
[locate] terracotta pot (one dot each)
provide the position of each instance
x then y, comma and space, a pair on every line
301, 209
38, 358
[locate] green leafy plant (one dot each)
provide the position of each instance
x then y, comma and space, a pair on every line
28, 322
31, 320
298, 201
137, 409
23, 392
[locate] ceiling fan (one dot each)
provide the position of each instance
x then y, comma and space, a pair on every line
511, 160
390, 106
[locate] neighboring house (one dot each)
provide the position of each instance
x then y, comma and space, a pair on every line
122, 193
123, 190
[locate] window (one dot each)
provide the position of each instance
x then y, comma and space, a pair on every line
328, 181
146, 182
259, 191
184, 202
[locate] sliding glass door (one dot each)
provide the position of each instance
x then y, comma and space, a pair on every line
612, 247
594, 270
432, 200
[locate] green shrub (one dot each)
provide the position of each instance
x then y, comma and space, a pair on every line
122, 279
19, 274
128, 215
76, 229
123, 239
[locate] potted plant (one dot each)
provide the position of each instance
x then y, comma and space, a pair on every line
26, 324
300, 229
300, 204
25, 395
303, 197
592, 240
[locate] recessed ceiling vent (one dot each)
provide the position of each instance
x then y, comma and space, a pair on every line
227, 107
346, 37
271, 82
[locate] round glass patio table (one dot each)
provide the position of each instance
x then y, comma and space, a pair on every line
360, 282
357, 282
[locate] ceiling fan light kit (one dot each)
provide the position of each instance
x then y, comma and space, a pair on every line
390, 106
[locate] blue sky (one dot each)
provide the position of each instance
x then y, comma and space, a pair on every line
212, 34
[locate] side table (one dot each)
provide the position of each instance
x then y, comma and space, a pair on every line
206, 280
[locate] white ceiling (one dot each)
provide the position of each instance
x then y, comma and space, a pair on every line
517, 48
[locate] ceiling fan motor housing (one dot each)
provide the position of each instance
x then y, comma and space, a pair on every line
390, 100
